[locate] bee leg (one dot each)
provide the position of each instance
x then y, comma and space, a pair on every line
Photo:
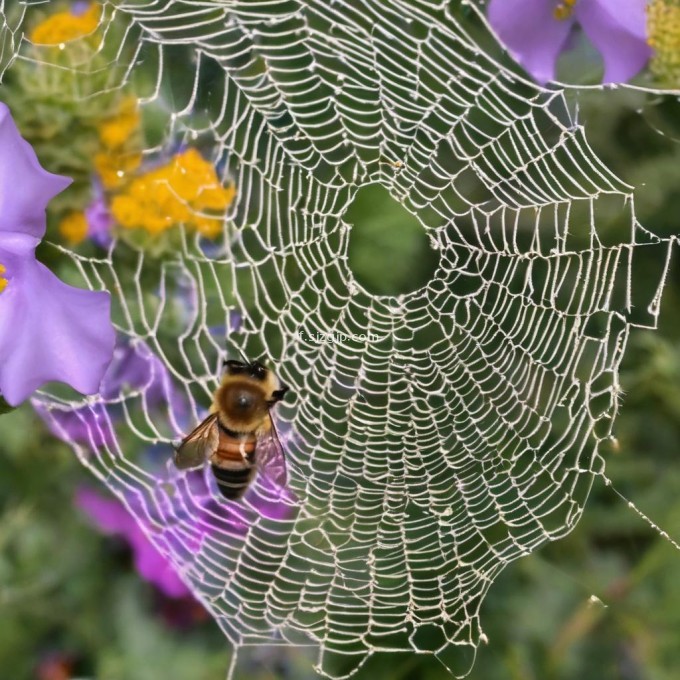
279, 394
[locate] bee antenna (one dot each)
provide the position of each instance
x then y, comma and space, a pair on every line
243, 356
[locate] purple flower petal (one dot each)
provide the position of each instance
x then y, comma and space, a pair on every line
531, 34
629, 15
112, 517
48, 330
99, 222
25, 188
109, 515
617, 28
155, 568
274, 502
89, 425
135, 366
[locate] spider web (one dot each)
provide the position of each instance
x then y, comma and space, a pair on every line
463, 432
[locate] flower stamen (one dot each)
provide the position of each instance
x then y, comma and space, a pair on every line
3, 280
564, 10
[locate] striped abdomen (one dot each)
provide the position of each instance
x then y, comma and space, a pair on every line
233, 462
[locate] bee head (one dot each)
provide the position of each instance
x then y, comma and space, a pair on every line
256, 372
255, 369
234, 367
241, 404
243, 401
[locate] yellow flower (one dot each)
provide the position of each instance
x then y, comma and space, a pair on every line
118, 129
114, 168
73, 227
64, 26
180, 192
209, 227
663, 29
214, 198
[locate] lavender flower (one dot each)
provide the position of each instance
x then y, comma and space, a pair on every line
111, 517
136, 367
196, 515
99, 220
133, 367
48, 330
90, 425
535, 33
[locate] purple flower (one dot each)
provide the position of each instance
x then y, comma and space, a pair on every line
99, 220
136, 367
274, 502
79, 7
90, 425
113, 518
133, 367
183, 523
535, 33
48, 330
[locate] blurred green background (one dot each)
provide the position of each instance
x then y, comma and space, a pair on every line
602, 604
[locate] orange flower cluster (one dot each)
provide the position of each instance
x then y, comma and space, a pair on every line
119, 139
186, 190
64, 26
114, 132
73, 227
119, 136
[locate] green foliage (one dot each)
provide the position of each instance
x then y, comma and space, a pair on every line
383, 232
5, 407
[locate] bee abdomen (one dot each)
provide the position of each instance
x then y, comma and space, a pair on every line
233, 462
233, 448
232, 483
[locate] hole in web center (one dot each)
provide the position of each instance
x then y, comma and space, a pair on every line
389, 250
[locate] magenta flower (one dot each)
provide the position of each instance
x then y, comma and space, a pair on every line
113, 518
535, 33
48, 330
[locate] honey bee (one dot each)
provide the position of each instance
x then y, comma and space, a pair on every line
239, 438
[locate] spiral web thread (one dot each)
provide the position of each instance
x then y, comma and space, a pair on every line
463, 433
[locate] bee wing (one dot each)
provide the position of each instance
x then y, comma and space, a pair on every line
198, 445
271, 459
